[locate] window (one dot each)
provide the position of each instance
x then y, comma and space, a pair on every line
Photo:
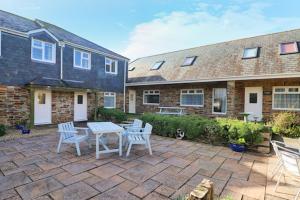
111, 66
157, 65
131, 68
192, 97
250, 52
219, 100
253, 98
189, 61
42, 98
151, 97
80, 99
109, 100
82, 59
290, 47
43, 51
286, 98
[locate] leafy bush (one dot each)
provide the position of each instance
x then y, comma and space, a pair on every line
286, 123
114, 115
2, 130
210, 130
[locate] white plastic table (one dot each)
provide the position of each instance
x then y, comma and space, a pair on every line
101, 128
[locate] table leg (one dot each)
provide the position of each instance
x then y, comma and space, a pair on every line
120, 143
97, 146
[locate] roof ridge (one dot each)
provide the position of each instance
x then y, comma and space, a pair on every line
233, 40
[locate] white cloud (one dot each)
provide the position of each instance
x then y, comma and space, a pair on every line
179, 30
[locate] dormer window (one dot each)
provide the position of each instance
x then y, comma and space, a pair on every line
43, 51
111, 66
188, 61
157, 65
82, 59
289, 47
250, 53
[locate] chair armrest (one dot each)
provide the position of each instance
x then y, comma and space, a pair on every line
135, 129
125, 125
82, 128
67, 131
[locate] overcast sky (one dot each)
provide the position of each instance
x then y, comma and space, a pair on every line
136, 28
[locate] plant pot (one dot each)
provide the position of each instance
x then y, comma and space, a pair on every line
25, 131
20, 127
237, 147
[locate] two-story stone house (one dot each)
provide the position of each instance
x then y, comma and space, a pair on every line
258, 75
49, 75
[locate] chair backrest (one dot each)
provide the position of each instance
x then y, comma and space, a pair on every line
148, 129
275, 146
290, 160
137, 123
65, 128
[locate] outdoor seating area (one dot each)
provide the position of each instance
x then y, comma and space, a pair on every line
31, 168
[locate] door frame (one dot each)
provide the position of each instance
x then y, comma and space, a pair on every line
49, 92
134, 107
259, 90
86, 106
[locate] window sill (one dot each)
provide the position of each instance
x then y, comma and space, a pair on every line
200, 106
111, 73
282, 54
247, 58
151, 104
287, 109
42, 62
81, 68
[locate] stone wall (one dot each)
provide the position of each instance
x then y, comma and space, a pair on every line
170, 96
14, 105
62, 106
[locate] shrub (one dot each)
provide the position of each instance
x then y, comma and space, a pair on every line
2, 130
286, 123
114, 115
209, 130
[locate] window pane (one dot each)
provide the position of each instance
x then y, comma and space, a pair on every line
113, 67
107, 68
109, 101
85, 55
188, 99
85, 63
288, 47
279, 89
250, 53
42, 98
77, 58
48, 52
157, 65
151, 98
253, 98
189, 61
80, 99
287, 101
37, 43
220, 100
37, 53
293, 89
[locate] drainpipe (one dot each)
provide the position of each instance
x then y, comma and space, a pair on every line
62, 45
124, 91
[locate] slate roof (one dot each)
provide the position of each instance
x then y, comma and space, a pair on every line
21, 24
219, 61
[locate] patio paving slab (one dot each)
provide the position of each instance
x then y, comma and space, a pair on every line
106, 171
12, 181
115, 194
144, 189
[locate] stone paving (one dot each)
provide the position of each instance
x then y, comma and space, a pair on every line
31, 169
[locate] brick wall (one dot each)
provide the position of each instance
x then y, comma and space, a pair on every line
170, 96
14, 105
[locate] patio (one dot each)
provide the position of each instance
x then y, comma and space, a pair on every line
31, 168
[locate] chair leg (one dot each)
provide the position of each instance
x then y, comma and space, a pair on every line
278, 181
276, 169
59, 145
149, 147
78, 148
128, 150
296, 197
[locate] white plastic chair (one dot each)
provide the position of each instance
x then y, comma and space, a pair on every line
69, 135
290, 165
140, 137
135, 126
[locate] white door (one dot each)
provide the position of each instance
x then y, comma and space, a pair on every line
42, 107
253, 102
80, 106
132, 100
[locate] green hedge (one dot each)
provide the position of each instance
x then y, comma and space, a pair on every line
2, 130
114, 115
286, 124
220, 130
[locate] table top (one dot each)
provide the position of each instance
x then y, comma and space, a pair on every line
104, 127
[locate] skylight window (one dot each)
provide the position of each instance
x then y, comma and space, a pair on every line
290, 47
131, 68
189, 61
157, 65
250, 52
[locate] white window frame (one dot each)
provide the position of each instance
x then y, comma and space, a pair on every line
212, 107
190, 64
0, 43
195, 93
149, 92
53, 61
110, 94
110, 66
250, 48
285, 92
82, 58
295, 44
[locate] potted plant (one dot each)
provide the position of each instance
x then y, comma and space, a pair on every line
238, 145
21, 125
